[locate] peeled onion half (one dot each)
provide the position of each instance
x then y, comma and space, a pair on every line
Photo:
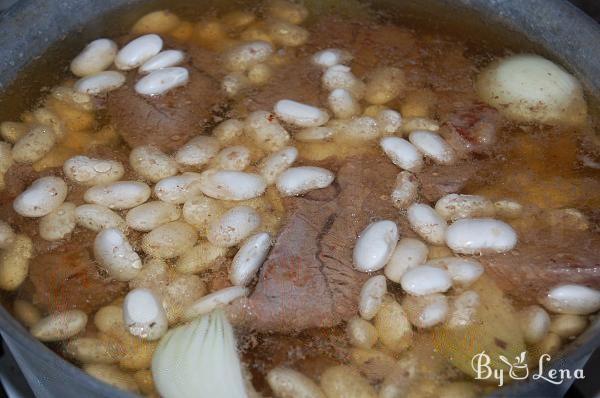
529, 88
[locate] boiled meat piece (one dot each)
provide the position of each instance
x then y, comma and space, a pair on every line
169, 120
308, 280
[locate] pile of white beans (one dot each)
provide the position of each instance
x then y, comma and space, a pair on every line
145, 53
183, 205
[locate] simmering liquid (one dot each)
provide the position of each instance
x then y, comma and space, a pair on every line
303, 308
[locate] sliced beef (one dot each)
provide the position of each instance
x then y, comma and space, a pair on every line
546, 260
169, 120
71, 280
308, 279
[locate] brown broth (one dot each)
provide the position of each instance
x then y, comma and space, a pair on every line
538, 166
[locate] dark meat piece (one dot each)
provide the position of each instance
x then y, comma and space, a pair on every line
547, 259
169, 120
471, 128
308, 280
436, 181
71, 280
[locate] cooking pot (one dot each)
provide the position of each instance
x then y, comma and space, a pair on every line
32, 28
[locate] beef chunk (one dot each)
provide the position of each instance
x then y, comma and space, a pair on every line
308, 280
471, 128
535, 265
436, 181
71, 280
169, 120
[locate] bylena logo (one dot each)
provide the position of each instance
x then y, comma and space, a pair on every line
518, 369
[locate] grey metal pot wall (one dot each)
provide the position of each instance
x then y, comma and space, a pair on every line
30, 28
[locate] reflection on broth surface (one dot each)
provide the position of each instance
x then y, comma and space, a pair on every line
300, 202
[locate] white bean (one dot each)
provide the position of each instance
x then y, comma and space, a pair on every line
433, 146
409, 253
97, 218
200, 258
389, 121
227, 131
26, 313
276, 163
454, 206
89, 171
375, 245
331, 57
402, 153
234, 83
242, 57
198, 151
59, 223
151, 215
161, 21
12, 131
162, 80
426, 222
151, 163
92, 350
144, 315
344, 381
300, 115
233, 226
572, 299
200, 210
300, 180
287, 11
69, 95
115, 254
214, 300
393, 327
463, 309
340, 76
42, 197
286, 34
535, 323
14, 263
45, 116
362, 128
426, 311
100, 82
361, 333
508, 209
406, 190
425, 279
170, 240
177, 189
138, 51
343, 104
60, 326
34, 145
313, 134
236, 157
232, 185
264, 128
118, 195
568, 326
163, 59
7, 235
480, 236
464, 271
288, 383
383, 85
249, 258
95, 57
419, 123
260, 74
371, 296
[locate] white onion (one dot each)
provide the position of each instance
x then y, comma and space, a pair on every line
199, 359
